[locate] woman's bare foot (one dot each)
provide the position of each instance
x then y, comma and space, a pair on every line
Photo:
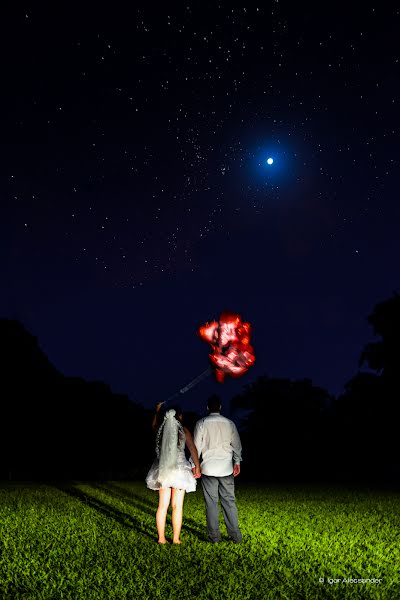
164, 541
177, 542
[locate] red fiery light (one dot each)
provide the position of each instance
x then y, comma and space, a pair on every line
232, 353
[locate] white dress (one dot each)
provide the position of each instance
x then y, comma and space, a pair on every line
180, 477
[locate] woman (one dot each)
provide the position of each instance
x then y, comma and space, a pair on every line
170, 473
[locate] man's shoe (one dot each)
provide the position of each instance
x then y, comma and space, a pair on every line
214, 541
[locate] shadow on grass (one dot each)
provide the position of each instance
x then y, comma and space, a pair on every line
105, 509
122, 493
140, 503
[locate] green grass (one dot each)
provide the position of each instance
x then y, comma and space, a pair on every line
98, 540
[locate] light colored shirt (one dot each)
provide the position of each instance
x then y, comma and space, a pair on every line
218, 444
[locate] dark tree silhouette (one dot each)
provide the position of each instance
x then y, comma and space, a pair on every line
284, 430
357, 428
367, 414
56, 427
384, 356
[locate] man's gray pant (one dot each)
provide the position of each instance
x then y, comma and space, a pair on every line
224, 488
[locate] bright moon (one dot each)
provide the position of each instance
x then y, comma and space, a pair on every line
270, 161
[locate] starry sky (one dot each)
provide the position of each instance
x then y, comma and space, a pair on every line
137, 203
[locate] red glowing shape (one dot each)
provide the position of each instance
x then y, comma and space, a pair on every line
232, 353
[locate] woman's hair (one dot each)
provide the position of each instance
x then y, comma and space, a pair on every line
160, 433
161, 414
178, 412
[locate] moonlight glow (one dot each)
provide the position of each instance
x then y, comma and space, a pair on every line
270, 161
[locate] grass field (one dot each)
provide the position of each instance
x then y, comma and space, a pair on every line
98, 540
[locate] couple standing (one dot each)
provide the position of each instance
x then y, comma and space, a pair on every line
217, 442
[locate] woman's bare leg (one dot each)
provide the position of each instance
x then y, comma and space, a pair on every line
161, 515
177, 509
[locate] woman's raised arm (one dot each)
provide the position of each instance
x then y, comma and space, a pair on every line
155, 424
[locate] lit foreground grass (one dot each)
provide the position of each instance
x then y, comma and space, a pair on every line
98, 540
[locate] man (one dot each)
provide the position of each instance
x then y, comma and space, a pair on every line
218, 445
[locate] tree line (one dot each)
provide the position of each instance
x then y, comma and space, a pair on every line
295, 430
57, 427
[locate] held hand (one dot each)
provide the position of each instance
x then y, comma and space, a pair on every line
158, 406
236, 470
196, 472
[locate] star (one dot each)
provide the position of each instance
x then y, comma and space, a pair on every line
270, 161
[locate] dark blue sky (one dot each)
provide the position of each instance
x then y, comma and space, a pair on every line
136, 202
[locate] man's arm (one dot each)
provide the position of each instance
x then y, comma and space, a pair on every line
237, 450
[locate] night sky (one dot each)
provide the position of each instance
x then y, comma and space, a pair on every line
137, 203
